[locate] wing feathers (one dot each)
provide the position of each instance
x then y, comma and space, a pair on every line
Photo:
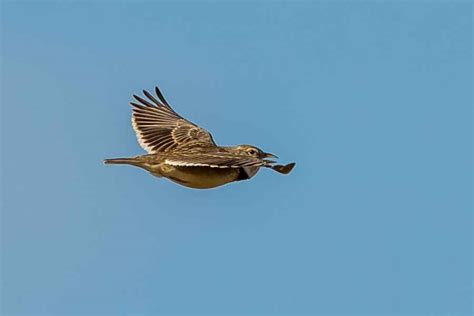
162, 98
159, 128
143, 101
213, 159
152, 98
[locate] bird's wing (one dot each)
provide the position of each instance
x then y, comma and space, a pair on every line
159, 128
213, 160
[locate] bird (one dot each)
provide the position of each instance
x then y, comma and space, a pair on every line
185, 153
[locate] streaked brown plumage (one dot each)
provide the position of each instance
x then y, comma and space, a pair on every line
186, 153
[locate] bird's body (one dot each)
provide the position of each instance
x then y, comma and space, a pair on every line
197, 177
185, 153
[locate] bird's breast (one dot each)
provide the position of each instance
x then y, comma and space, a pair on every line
199, 177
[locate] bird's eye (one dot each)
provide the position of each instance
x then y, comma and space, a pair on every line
252, 152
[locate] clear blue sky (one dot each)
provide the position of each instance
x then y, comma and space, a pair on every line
372, 100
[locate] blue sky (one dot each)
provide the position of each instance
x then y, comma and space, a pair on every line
373, 100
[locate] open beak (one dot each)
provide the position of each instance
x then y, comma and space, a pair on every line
268, 155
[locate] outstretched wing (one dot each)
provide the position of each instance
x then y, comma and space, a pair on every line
213, 159
159, 128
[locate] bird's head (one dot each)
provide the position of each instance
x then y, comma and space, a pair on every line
260, 154
253, 152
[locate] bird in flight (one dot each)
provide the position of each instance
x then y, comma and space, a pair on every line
185, 153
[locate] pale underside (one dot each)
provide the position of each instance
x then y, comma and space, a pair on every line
201, 177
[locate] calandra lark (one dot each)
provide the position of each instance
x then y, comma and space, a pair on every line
186, 153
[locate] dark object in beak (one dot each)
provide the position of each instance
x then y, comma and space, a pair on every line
268, 155
284, 169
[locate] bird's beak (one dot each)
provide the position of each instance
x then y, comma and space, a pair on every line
268, 155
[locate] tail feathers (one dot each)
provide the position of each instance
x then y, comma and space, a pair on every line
121, 161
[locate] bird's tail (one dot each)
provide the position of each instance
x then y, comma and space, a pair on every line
121, 161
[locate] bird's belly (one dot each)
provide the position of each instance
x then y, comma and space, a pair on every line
199, 177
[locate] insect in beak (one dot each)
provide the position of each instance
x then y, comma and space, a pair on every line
286, 169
